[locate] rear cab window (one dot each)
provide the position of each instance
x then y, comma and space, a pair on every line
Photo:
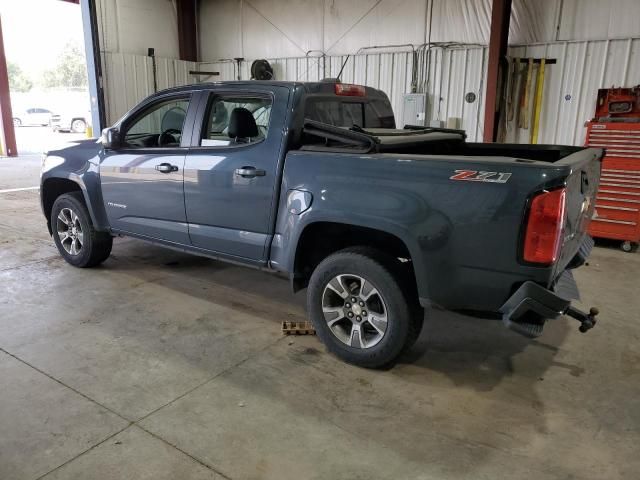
347, 112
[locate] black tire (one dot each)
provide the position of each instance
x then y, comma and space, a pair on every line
95, 247
404, 314
17, 122
78, 125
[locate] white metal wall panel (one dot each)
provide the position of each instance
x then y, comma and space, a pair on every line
132, 26
271, 28
350, 25
276, 29
128, 79
569, 91
571, 84
449, 74
453, 73
220, 29
597, 19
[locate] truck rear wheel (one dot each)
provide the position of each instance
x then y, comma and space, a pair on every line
79, 243
361, 308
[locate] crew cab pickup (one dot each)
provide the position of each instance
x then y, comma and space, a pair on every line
315, 181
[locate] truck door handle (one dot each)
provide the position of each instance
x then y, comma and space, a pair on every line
166, 168
250, 172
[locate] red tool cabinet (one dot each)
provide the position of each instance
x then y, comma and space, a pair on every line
616, 127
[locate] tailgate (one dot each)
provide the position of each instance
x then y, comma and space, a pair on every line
581, 187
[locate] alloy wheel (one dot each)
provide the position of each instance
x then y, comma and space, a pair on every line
355, 311
69, 231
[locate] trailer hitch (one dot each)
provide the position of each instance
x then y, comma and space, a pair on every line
587, 320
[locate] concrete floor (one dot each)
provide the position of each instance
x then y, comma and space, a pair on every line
160, 365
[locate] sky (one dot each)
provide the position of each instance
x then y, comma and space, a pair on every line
35, 31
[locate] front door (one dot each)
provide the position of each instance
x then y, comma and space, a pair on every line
231, 172
142, 179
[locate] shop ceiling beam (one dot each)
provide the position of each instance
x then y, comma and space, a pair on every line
6, 116
188, 29
498, 41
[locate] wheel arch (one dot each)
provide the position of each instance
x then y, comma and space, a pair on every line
321, 238
53, 187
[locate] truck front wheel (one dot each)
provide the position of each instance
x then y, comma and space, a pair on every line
79, 243
361, 307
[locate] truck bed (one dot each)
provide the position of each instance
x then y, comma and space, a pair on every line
426, 141
478, 221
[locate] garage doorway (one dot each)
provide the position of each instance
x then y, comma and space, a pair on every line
47, 73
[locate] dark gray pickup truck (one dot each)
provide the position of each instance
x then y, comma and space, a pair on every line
314, 180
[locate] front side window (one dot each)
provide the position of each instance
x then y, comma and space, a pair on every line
234, 121
159, 126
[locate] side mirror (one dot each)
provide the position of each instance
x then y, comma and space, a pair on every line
111, 138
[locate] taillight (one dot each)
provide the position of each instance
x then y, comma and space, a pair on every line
350, 90
544, 227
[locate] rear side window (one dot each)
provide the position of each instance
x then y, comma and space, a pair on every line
233, 121
373, 114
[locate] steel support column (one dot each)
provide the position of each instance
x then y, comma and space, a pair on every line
94, 66
188, 29
498, 41
6, 116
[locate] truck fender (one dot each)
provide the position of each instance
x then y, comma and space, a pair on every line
285, 246
92, 196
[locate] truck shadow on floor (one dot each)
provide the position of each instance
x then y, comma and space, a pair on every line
468, 384
475, 352
480, 353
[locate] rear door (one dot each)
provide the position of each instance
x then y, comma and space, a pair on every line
231, 171
142, 180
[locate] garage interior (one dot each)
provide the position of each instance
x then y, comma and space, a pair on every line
160, 365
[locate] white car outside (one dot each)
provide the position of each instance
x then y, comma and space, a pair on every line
32, 116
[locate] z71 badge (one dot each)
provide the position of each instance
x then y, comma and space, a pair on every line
476, 176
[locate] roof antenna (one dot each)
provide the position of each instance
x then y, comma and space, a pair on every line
342, 68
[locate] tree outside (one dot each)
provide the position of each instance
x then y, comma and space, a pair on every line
70, 70
19, 81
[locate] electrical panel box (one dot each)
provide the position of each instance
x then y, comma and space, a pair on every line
413, 109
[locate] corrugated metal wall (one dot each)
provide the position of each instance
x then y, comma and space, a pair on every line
569, 92
453, 72
257, 28
571, 85
291, 28
128, 79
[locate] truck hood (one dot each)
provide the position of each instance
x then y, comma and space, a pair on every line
75, 156
74, 147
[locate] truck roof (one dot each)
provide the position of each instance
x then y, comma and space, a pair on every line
311, 87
